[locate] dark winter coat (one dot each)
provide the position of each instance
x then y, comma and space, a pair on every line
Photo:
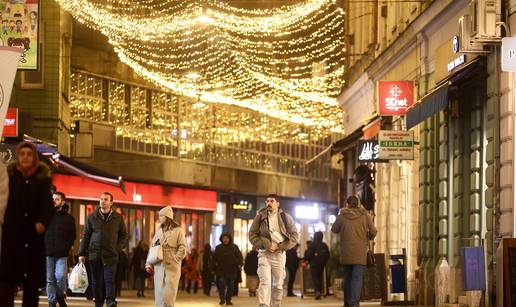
292, 262
60, 235
30, 202
251, 263
103, 239
318, 252
227, 259
138, 262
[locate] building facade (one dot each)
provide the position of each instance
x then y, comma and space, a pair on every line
449, 196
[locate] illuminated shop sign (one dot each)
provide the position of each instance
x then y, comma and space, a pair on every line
368, 151
242, 205
395, 97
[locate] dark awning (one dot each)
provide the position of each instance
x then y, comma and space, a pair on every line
437, 100
429, 105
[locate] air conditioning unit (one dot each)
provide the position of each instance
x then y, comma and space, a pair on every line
484, 17
466, 44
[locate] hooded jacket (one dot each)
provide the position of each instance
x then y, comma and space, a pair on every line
318, 252
355, 227
227, 259
29, 202
259, 234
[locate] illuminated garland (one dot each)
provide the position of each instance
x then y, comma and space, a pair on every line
285, 62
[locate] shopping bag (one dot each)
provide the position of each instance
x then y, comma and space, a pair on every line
78, 279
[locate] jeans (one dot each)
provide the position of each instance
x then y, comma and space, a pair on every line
353, 274
103, 279
271, 271
57, 269
226, 288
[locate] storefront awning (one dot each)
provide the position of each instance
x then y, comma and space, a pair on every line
429, 105
437, 100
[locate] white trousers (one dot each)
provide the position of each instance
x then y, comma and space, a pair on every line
271, 271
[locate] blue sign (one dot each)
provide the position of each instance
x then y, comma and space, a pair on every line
473, 269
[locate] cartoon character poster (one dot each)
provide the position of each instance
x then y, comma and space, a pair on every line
19, 28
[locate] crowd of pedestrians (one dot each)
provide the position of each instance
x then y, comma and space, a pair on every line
39, 233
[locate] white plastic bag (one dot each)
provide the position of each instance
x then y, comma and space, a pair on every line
78, 280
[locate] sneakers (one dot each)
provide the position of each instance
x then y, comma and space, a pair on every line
222, 302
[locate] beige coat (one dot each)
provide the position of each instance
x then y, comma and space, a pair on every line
259, 234
168, 272
355, 227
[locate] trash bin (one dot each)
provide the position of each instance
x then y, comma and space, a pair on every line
399, 282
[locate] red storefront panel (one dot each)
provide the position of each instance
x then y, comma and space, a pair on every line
137, 193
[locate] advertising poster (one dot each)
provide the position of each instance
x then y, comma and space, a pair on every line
9, 57
19, 28
395, 97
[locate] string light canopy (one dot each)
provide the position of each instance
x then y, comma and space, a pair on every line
285, 62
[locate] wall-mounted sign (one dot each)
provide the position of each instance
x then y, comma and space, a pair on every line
458, 61
11, 123
395, 97
455, 44
242, 205
509, 54
396, 145
219, 215
19, 28
368, 151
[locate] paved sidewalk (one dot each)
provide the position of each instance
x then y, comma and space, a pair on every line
199, 300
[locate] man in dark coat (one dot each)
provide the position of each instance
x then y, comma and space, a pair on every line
226, 261
292, 265
59, 240
28, 214
206, 267
104, 236
317, 255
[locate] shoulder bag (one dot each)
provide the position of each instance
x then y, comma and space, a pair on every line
155, 254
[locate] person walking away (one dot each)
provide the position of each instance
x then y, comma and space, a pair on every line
318, 255
59, 239
192, 274
167, 273
251, 271
28, 214
355, 227
272, 233
226, 260
121, 271
292, 264
103, 237
206, 268
138, 267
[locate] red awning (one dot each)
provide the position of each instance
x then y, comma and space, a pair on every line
145, 194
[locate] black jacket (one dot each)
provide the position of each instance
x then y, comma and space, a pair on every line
60, 235
227, 259
251, 263
103, 240
318, 252
30, 202
292, 262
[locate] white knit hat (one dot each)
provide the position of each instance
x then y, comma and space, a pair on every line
167, 211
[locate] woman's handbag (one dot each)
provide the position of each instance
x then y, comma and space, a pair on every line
155, 254
371, 262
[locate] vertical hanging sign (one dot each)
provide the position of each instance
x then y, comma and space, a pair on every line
9, 57
20, 28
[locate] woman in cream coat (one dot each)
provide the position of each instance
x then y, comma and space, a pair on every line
167, 272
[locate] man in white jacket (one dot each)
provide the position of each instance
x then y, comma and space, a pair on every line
4, 195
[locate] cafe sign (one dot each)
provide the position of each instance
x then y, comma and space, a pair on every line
396, 145
395, 97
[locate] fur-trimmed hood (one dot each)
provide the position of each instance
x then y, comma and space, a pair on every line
42, 170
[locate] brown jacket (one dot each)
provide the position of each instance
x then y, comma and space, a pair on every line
355, 227
259, 234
